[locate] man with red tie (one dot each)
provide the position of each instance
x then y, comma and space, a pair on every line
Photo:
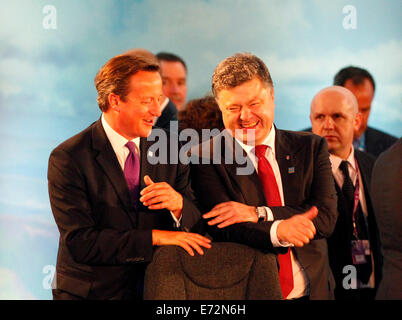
287, 201
112, 205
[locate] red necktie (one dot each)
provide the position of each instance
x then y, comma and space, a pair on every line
272, 195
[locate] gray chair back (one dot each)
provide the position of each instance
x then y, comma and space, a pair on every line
227, 271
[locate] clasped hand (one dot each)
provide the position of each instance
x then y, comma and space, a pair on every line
227, 213
297, 230
160, 195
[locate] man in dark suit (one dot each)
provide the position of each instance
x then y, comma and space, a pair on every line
169, 113
360, 82
108, 228
362, 85
168, 109
386, 191
174, 78
271, 202
354, 248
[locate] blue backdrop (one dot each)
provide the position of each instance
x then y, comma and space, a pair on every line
51, 50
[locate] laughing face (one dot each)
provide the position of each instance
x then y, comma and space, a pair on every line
135, 115
249, 106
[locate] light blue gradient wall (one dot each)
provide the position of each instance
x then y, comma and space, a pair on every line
47, 92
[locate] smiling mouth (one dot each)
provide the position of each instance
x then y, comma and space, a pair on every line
149, 122
250, 125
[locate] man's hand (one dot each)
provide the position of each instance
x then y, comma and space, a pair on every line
298, 229
227, 213
161, 195
188, 241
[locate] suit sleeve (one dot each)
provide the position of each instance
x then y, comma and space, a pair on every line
191, 215
321, 194
210, 191
86, 242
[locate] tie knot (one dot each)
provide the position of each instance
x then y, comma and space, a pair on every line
260, 150
344, 168
131, 146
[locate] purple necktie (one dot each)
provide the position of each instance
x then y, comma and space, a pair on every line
132, 172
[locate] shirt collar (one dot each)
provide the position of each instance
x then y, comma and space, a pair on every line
164, 104
268, 141
336, 161
117, 141
360, 143
163, 107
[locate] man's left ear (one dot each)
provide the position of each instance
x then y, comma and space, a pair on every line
358, 121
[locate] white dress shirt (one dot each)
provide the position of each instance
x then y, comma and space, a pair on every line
118, 143
301, 284
338, 176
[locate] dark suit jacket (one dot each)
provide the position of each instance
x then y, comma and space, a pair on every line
168, 114
376, 141
339, 242
105, 242
386, 191
310, 184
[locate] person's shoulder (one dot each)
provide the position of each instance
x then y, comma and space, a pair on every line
76, 142
171, 108
171, 134
381, 135
365, 158
299, 136
393, 152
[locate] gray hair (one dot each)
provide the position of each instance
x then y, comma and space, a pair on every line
237, 69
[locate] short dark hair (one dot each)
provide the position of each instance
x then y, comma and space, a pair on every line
201, 114
356, 74
114, 76
167, 56
237, 69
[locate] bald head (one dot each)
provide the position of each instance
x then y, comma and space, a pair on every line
336, 95
334, 115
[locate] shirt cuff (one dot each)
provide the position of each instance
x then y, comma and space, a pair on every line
270, 215
176, 221
274, 238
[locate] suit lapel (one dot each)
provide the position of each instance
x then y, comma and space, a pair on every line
286, 156
365, 174
146, 167
248, 184
289, 166
107, 159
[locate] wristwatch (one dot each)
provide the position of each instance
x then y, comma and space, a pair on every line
261, 213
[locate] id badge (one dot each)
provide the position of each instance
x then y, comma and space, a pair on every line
360, 249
